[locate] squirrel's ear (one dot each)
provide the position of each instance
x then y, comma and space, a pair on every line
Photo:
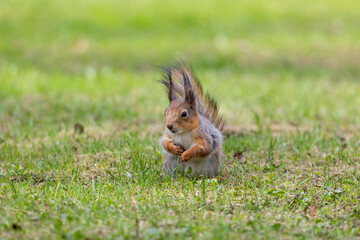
191, 98
172, 92
189, 93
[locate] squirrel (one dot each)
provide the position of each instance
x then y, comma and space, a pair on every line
192, 139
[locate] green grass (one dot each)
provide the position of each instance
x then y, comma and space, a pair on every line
286, 75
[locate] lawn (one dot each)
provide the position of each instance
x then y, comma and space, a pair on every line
81, 115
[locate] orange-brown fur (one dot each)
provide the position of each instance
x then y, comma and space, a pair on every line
209, 107
170, 146
192, 138
173, 116
199, 150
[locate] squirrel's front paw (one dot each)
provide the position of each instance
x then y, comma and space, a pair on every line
177, 150
185, 157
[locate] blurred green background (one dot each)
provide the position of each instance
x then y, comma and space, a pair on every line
95, 61
286, 76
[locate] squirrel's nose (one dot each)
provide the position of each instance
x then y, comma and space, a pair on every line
170, 127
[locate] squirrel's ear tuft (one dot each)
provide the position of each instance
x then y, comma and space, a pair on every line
189, 93
172, 92
191, 99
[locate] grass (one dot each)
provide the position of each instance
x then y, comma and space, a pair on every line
287, 83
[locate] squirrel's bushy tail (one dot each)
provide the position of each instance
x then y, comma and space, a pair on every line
205, 104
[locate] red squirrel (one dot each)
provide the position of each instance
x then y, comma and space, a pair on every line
192, 137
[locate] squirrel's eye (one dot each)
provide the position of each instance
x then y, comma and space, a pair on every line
184, 114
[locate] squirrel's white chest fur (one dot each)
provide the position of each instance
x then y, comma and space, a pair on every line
184, 140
